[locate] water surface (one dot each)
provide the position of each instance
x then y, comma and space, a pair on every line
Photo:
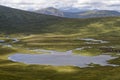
60, 59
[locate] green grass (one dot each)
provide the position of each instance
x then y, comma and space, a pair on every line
36, 72
88, 52
6, 50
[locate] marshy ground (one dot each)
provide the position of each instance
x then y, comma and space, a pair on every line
87, 46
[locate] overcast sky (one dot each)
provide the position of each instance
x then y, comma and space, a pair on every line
63, 4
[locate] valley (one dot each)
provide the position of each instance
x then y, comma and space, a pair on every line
39, 34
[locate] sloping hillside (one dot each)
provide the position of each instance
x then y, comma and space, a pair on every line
13, 20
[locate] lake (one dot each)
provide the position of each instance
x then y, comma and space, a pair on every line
61, 59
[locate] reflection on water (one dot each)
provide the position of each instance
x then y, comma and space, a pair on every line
61, 59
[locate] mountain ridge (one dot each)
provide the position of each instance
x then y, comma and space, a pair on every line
82, 14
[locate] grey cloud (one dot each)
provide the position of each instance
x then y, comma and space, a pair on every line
63, 4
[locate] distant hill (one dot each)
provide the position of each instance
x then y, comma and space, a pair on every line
83, 14
51, 11
93, 13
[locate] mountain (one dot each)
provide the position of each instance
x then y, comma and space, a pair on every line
81, 14
13, 21
51, 11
